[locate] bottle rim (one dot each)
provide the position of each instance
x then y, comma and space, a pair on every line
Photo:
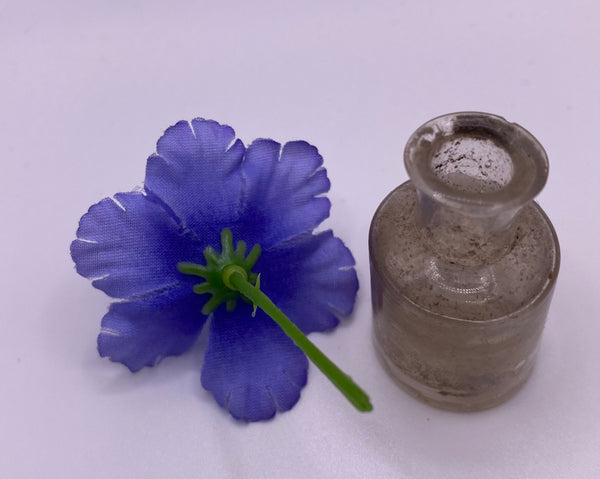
528, 162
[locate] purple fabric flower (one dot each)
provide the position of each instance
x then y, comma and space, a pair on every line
200, 181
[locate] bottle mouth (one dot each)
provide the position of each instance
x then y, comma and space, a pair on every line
476, 160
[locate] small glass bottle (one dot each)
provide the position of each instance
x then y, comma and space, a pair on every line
463, 263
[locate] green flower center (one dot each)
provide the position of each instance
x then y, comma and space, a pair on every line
218, 271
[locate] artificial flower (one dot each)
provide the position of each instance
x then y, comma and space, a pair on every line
201, 182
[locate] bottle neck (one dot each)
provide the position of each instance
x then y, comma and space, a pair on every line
473, 173
463, 235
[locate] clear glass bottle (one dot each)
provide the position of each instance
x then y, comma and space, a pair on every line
463, 263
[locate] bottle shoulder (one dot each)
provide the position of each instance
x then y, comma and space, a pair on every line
480, 292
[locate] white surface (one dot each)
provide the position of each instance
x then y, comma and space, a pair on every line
88, 87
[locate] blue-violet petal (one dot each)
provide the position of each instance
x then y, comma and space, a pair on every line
252, 368
281, 191
140, 333
311, 279
131, 248
196, 173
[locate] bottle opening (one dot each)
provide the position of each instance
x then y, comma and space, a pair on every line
478, 160
472, 164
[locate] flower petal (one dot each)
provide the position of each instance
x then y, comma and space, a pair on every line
132, 247
196, 172
252, 368
311, 279
141, 333
280, 192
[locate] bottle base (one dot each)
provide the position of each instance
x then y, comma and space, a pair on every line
455, 401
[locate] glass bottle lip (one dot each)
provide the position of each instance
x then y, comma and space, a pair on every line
528, 162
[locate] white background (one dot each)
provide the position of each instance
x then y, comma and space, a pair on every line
86, 89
